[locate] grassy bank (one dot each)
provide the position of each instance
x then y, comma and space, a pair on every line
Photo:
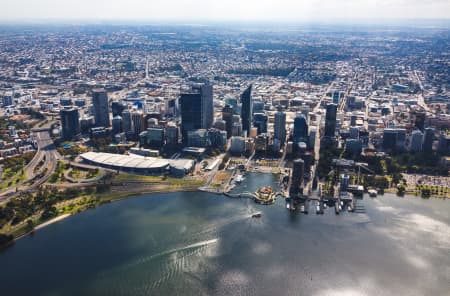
84, 201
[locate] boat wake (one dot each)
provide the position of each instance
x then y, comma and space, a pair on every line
144, 260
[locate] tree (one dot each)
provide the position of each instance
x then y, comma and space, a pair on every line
48, 213
4, 239
30, 225
401, 188
425, 192
102, 188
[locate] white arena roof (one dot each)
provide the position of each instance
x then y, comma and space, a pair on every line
125, 161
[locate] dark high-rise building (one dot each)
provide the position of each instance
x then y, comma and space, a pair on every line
260, 121
101, 108
127, 123
191, 113
427, 145
70, 123
419, 120
353, 119
444, 144
117, 108
227, 116
300, 133
197, 109
280, 127
394, 139
117, 125
246, 111
297, 177
330, 120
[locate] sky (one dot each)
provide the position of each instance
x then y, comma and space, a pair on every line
223, 10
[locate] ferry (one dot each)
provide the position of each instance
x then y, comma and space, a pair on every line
257, 215
372, 193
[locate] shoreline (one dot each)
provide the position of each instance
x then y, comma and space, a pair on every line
41, 226
52, 221
119, 197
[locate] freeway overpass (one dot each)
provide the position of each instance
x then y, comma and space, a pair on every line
46, 152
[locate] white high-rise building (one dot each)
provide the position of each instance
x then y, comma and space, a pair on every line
415, 144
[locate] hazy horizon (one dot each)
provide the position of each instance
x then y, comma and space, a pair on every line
203, 11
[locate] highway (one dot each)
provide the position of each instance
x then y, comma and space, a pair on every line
46, 152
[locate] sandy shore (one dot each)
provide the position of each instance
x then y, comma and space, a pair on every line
57, 219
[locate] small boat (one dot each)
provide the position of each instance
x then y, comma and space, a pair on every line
372, 193
239, 179
257, 215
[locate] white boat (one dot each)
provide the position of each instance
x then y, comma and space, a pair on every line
239, 179
317, 209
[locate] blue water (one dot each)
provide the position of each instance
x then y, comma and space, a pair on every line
205, 244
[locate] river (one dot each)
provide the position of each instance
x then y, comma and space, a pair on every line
204, 244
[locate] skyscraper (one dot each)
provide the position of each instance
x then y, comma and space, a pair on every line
137, 119
206, 92
419, 120
101, 110
416, 141
330, 120
197, 110
300, 133
280, 127
260, 121
117, 125
127, 124
394, 139
297, 176
428, 140
117, 108
70, 123
246, 111
172, 134
227, 115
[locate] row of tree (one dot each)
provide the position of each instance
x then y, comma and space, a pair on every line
44, 201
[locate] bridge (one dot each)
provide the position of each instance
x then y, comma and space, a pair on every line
240, 195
